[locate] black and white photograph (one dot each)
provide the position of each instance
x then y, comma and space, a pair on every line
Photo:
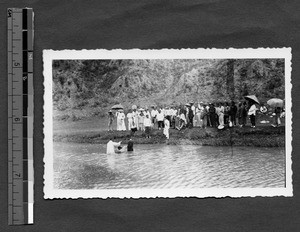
167, 123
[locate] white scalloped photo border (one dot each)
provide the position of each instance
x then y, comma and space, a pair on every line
247, 53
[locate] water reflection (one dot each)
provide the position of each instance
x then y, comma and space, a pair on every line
80, 166
111, 161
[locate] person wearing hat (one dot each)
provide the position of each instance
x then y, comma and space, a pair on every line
110, 120
141, 117
263, 109
252, 113
147, 112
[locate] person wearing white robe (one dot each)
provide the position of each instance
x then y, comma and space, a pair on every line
135, 120
147, 112
121, 121
166, 128
130, 120
110, 147
160, 119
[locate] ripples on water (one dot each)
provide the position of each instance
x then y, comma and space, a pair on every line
86, 166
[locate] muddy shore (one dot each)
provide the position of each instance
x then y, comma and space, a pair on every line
260, 137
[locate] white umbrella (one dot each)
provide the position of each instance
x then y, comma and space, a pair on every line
275, 102
253, 98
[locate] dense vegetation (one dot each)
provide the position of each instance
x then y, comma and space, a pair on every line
92, 86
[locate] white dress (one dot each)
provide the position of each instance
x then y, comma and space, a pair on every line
121, 122
166, 129
135, 123
130, 120
110, 147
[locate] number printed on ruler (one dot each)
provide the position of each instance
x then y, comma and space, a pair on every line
20, 116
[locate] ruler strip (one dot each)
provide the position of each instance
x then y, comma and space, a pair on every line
20, 116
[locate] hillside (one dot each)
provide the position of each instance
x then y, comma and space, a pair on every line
95, 85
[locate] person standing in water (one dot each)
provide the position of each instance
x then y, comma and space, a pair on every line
110, 147
130, 145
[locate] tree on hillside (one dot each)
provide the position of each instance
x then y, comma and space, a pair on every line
233, 79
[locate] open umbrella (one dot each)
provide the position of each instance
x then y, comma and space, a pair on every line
275, 102
253, 98
117, 107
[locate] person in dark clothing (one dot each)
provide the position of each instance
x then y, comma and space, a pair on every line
130, 145
212, 115
239, 114
277, 121
233, 112
244, 110
208, 116
191, 118
226, 113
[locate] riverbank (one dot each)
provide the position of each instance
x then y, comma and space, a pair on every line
266, 136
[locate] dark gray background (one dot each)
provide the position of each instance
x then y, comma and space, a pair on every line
149, 24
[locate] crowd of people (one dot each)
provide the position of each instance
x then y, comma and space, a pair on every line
219, 114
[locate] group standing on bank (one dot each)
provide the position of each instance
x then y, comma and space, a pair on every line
190, 115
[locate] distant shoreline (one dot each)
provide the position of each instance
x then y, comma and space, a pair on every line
266, 136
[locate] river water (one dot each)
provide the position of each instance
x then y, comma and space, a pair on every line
86, 166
